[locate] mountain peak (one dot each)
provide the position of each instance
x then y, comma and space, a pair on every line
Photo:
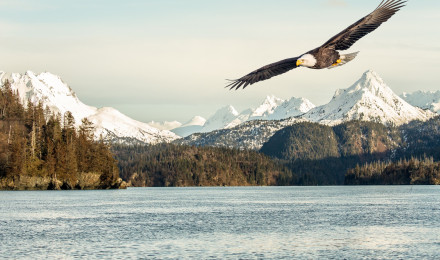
272, 99
267, 107
60, 98
226, 110
368, 99
196, 120
371, 81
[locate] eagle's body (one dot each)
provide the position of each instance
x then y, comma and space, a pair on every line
327, 55
324, 57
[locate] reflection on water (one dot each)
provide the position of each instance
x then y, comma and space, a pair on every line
257, 222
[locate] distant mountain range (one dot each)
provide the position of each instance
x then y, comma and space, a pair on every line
428, 100
369, 99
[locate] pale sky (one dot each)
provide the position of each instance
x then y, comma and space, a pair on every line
169, 59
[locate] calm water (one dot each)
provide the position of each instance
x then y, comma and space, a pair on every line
264, 222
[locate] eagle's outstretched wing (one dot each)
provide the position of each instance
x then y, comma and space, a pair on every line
364, 26
264, 73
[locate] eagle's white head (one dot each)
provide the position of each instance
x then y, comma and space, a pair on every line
307, 60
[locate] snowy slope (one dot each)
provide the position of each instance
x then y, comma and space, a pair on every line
51, 91
248, 135
197, 120
225, 117
272, 108
424, 99
291, 108
111, 123
369, 99
266, 109
194, 125
59, 98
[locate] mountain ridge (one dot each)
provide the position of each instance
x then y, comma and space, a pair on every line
60, 98
368, 99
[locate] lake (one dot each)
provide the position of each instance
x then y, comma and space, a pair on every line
397, 222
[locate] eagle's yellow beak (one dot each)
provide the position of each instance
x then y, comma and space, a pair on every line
299, 62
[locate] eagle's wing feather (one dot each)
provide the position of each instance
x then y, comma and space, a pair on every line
364, 26
264, 73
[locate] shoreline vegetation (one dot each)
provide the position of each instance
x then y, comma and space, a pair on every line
40, 150
403, 172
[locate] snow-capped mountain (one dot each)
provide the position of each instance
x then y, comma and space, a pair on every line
197, 120
424, 99
250, 135
225, 117
194, 125
50, 90
266, 109
291, 108
369, 99
109, 123
272, 108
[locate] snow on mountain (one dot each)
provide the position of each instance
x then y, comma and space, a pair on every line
51, 91
114, 125
192, 126
249, 135
424, 99
166, 125
225, 117
272, 108
197, 120
267, 108
369, 99
59, 98
291, 108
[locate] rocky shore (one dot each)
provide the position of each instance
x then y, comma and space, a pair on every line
85, 181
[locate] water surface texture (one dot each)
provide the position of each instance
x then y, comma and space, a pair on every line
209, 223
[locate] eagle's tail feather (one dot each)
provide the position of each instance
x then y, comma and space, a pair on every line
345, 58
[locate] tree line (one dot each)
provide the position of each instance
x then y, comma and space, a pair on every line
322, 155
169, 165
43, 150
402, 172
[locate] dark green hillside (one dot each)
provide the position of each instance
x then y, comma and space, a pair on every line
177, 166
403, 172
322, 155
303, 141
366, 139
420, 139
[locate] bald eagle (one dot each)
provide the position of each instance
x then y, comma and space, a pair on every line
327, 55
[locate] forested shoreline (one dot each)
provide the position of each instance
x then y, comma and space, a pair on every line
169, 165
326, 155
403, 172
39, 150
